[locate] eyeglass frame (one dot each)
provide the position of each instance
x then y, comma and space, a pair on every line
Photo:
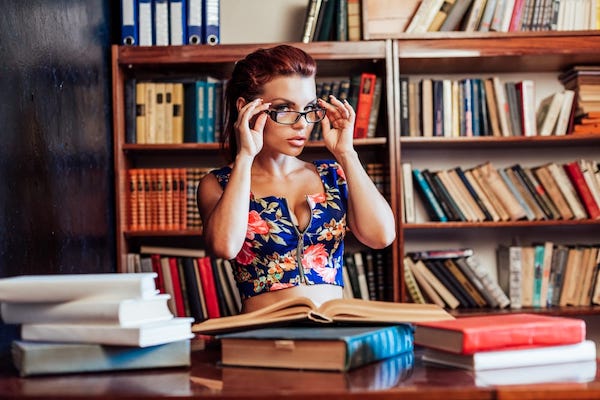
273, 115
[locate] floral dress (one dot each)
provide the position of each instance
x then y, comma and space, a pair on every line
276, 254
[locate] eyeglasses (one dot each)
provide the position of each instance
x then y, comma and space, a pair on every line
291, 117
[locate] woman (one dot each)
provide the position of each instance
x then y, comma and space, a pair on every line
282, 219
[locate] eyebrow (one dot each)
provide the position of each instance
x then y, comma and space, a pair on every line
290, 102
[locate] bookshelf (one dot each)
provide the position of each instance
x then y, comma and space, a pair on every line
184, 62
537, 55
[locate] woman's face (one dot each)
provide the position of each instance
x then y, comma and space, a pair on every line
289, 93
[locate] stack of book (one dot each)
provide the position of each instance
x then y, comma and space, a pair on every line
500, 342
584, 80
92, 322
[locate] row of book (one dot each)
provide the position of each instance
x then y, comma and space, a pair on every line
92, 322
550, 191
163, 198
337, 20
511, 348
482, 107
203, 287
548, 274
190, 111
363, 91
170, 22
451, 278
174, 112
502, 15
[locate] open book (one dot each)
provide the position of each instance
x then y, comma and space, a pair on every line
302, 309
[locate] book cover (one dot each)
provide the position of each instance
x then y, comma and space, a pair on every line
65, 287
302, 310
44, 358
433, 207
124, 312
450, 300
320, 348
145, 335
364, 104
470, 335
582, 189
488, 360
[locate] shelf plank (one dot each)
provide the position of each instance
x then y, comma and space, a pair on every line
407, 142
495, 225
494, 52
558, 311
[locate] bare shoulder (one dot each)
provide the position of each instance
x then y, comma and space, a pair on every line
208, 192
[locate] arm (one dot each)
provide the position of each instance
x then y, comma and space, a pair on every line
224, 213
370, 217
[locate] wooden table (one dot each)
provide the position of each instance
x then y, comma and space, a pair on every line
206, 379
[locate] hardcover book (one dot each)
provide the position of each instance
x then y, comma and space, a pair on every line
470, 335
44, 358
488, 360
65, 287
124, 312
303, 310
145, 335
320, 348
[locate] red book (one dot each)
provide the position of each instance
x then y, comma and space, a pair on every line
177, 294
469, 335
583, 190
207, 280
364, 104
159, 280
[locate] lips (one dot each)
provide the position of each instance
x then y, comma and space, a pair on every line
297, 141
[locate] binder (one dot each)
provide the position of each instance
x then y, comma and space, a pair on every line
129, 17
211, 22
145, 22
160, 19
177, 22
194, 22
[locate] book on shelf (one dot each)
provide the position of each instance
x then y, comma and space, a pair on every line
148, 334
408, 200
433, 207
423, 283
470, 335
551, 188
366, 93
567, 189
315, 348
441, 15
498, 359
65, 287
547, 114
124, 312
46, 358
302, 309
354, 20
508, 261
420, 270
424, 15
455, 16
410, 281
500, 299
582, 189
382, 20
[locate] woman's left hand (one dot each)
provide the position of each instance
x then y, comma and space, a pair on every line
338, 125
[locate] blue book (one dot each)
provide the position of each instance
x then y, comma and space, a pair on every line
337, 348
433, 207
211, 22
44, 358
210, 100
177, 22
194, 124
194, 22
129, 18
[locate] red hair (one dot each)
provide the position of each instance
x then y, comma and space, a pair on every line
251, 74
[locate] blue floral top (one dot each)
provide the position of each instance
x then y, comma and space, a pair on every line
274, 247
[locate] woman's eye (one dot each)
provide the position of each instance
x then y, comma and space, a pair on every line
282, 107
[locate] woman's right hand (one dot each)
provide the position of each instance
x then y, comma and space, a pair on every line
249, 127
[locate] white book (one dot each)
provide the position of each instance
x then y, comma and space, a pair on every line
65, 287
528, 107
124, 312
502, 104
577, 372
548, 112
524, 357
562, 123
568, 190
43, 358
150, 334
408, 194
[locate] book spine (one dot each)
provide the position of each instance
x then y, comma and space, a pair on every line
378, 345
435, 211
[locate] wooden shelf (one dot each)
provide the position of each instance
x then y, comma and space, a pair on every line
495, 225
444, 53
407, 142
559, 311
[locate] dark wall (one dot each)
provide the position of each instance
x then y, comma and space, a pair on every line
56, 164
